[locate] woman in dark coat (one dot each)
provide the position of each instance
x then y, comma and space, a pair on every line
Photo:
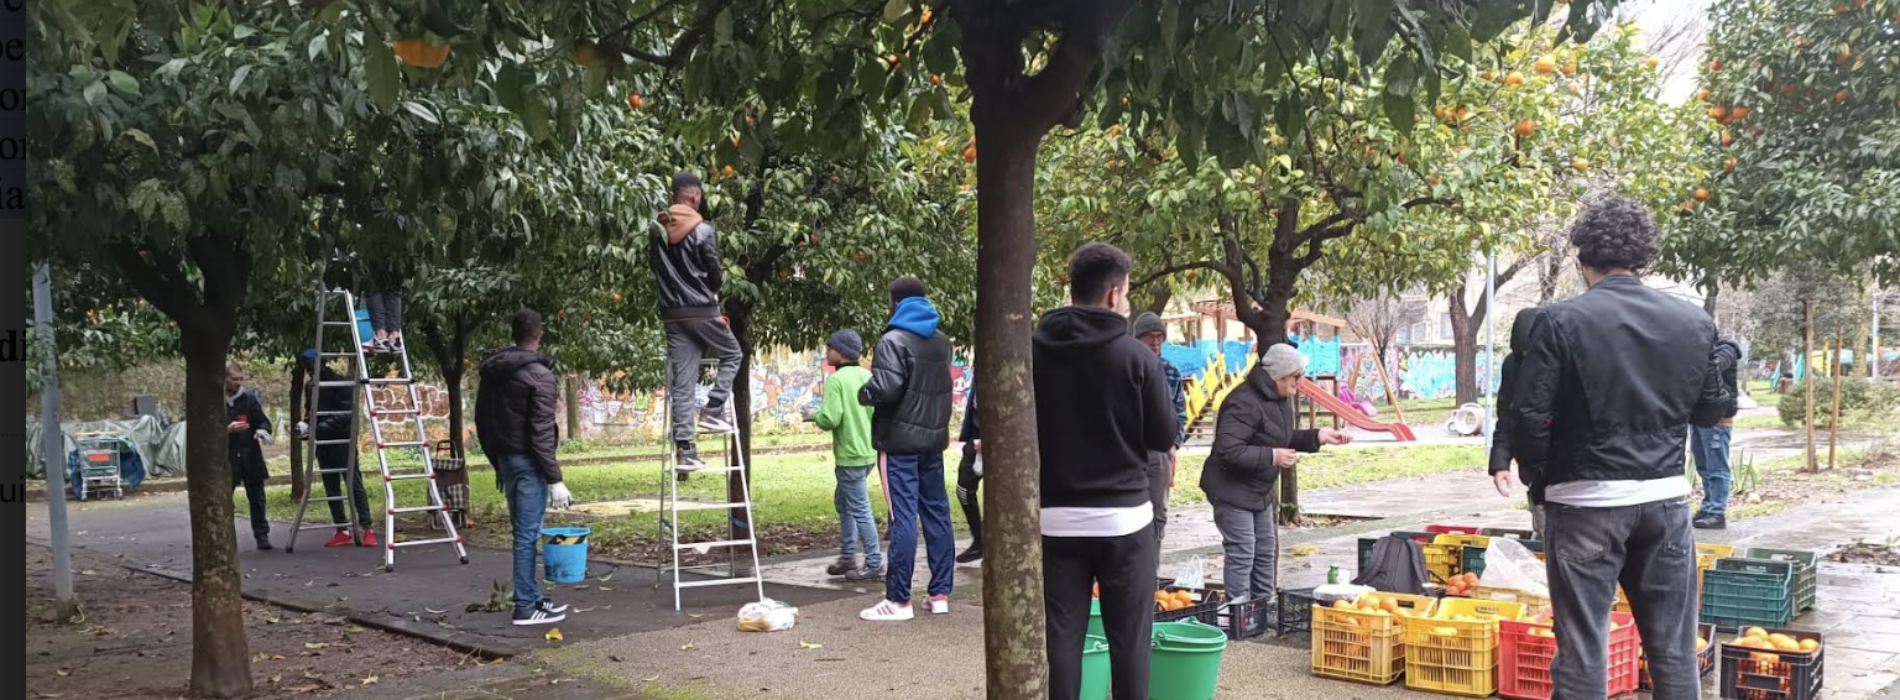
1255, 438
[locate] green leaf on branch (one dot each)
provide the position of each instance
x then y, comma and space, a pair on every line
379, 67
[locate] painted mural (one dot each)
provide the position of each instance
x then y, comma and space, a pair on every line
1423, 372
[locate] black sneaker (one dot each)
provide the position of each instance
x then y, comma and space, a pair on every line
686, 457
1710, 521
710, 421
553, 607
537, 615
842, 566
972, 555
865, 573
263, 543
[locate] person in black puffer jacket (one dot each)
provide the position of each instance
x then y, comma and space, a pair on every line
910, 394
515, 419
1256, 435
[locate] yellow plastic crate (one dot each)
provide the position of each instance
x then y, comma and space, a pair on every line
1444, 654
1363, 646
1444, 561
1531, 603
1479, 541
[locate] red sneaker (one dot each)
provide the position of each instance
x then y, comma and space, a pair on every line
369, 538
340, 539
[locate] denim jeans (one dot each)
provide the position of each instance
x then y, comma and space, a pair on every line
915, 486
1250, 542
1650, 549
855, 523
1710, 446
527, 504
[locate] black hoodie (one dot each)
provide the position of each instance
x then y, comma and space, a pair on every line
1530, 474
1101, 406
515, 410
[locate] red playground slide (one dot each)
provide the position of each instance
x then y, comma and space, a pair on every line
1352, 415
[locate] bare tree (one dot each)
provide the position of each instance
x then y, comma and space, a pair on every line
1378, 320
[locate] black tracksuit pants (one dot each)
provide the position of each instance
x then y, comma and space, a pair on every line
967, 482
1125, 568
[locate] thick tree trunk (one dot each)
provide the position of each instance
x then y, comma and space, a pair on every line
299, 481
220, 659
1159, 294
1464, 338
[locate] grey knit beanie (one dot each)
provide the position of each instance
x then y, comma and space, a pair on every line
1282, 360
847, 343
1147, 323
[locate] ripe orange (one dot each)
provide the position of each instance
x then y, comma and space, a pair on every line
1545, 65
1701, 195
727, 171
969, 153
1809, 645
1390, 605
1840, 96
1729, 165
635, 101
1718, 113
1526, 127
1702, 95
1570, 69
1341, 605
1653, 61
1715, 66
420, 52
1739, 112
1515, 79
1369, 601
1727, 138
936, 79
1755, 633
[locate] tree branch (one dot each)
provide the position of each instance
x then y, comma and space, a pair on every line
159, 278
1056, 92
1173, 269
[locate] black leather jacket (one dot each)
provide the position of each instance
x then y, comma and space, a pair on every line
689, 272
1253, 422
1611, 382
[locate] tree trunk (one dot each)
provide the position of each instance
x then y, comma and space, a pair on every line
1708, 302
1013, 630
572, 395
739, 315
452, 383
1159, 294
220, 658
299, 481
1464, 338
1807, 362
1834, 422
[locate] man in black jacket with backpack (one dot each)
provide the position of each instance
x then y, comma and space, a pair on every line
1102, 408
1609, 385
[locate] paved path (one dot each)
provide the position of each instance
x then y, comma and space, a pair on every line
427, 596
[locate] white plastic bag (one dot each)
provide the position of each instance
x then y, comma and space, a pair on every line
1339, 591
767, 616
977, 466
1508, 564
1192, 574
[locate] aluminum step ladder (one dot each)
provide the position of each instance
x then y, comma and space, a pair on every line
403, 380
740, 515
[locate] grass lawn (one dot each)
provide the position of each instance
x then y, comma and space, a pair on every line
793, 495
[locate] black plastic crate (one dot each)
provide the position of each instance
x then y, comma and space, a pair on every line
1207, 611
1247, 619
1705, 659
1296, 611
1759, 674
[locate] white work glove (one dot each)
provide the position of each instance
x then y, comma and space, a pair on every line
559, 498
303, 429
264, 436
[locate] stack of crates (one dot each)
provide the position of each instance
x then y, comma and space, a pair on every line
1527, 648
1296, 611
1444, 654
1706, 554
1756, 674
1364, 646
1704, 658
1806, 577
1206, 608
1748, 592
1510, 595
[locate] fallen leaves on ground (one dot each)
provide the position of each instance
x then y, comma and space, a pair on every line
688, 647
554, 635
1305, 550
802, 644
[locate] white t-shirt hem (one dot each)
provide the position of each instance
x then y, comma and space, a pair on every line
1096, 522
1617, 494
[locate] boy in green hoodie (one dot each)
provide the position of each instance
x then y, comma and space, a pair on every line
849, 423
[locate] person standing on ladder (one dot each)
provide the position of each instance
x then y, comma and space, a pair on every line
336, 404
516, 419
384, 299
249, 429
684, 254
910, 392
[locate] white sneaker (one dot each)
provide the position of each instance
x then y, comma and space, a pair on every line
887, 611
940, 605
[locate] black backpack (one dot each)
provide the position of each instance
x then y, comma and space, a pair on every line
1398, 566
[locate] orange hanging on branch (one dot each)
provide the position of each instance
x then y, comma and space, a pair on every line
420, 53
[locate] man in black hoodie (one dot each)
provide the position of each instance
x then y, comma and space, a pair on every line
515, 419
1531, 475
1102, 406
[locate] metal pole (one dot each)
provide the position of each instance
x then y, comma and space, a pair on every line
55, 445
1490, 347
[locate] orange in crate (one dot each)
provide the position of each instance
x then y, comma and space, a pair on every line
1364, 641
1527, 647
1455, 650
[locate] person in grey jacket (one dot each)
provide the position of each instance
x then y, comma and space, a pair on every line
1256, 436
684, 255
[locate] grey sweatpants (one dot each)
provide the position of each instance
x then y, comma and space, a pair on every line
1251, 543
687, 342
1160, 478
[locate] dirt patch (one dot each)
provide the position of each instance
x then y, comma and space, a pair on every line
135, 641
1878, 554
1772, 491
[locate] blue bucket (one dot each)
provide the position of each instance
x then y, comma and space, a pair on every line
564, 549
363, 329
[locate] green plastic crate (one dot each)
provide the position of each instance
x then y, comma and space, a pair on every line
1806, 573
1748, 593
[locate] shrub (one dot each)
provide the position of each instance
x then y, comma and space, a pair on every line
1862, 399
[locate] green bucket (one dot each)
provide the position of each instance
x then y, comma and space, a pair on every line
1095, 669
1095, 620
1186, 661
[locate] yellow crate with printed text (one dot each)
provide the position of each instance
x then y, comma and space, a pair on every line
1455, 650
1364, 641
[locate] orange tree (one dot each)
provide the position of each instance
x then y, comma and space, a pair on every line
1798, 145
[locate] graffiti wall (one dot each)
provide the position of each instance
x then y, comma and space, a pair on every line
1422, 372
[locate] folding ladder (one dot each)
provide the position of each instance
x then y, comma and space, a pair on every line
740, 513
403, 379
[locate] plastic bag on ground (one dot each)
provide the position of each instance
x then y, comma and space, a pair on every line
1508, 564
1193, 574
767, 616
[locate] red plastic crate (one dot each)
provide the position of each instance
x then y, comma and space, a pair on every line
1452, 529
1524, 663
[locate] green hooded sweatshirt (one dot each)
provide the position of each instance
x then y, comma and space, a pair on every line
848, 420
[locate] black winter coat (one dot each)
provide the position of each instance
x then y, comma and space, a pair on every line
339, 402
246, 453
910, 383
1611, 382
1253, 422
515, 410
689, 271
